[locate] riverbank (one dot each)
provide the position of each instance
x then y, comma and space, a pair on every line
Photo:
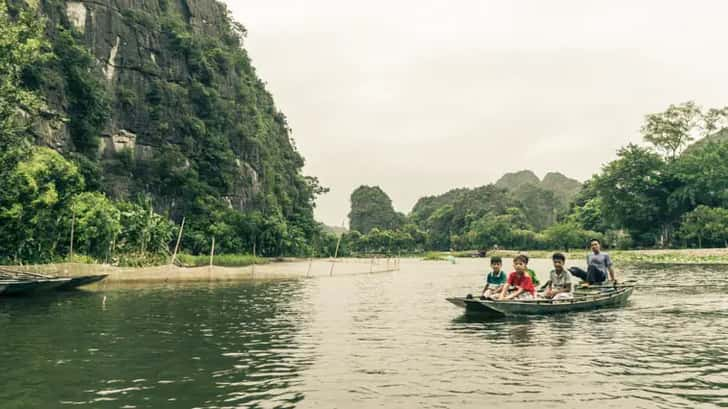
302, 268
272, 270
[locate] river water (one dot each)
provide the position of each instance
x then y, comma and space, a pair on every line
385, 340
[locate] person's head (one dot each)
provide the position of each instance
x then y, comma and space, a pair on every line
496, 263
559, 260
595, 245
520, 263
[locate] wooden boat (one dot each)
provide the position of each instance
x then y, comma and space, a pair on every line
77, 282
475, 306
581, 302
23, 287
45, 282
18, 287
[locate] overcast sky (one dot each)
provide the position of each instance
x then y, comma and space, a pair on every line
420, 97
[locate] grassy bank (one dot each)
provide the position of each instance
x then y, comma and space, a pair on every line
223, 260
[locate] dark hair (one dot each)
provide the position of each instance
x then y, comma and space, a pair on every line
522, 258
558, 256
496, 259
593, 240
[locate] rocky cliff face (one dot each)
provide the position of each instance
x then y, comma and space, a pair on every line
185, 112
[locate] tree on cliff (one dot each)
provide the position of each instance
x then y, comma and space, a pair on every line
370, 208
21, 45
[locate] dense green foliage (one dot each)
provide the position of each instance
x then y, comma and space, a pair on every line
372, 208
651, 196
21, 46
706, 225
652, 192
221, 154
484, 217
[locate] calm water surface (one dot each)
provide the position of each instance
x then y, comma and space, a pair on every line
363, 341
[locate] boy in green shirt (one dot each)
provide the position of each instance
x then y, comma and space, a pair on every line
531, 273
494, 280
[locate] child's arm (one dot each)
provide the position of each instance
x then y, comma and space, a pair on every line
485, 289
518, 292
503, 292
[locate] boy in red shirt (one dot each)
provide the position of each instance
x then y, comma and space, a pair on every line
520, 279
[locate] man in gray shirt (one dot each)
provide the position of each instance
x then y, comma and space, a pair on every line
599, 265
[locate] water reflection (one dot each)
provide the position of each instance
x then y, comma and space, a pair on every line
386, 340
195, 347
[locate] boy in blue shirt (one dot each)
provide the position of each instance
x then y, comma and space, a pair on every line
495, 280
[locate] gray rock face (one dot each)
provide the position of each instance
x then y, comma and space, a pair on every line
132, 54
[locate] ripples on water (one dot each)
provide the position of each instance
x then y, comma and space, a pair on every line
380, 340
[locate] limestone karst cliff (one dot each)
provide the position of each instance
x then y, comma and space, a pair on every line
159, 97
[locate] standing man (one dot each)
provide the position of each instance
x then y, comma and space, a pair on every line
598, 265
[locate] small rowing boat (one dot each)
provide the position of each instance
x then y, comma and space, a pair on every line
616, 297
22, 283
23, 287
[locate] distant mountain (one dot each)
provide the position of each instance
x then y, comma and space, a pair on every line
718, 137
513, 181
542, 200
563, 187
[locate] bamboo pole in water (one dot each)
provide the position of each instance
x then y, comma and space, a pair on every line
146, 232
254, 261
336, 254
176, 246
308, 272
73, 225
212, 253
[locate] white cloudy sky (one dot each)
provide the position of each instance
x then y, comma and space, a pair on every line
420, 96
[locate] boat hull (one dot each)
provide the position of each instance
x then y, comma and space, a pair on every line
17, 287
475, 307
612, 299
77, 282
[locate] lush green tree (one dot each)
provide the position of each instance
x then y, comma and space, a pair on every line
527, 239
419, 237
706, 225
370, 208
497, 230
618, 239
21, 46
452, 214
586, 209
440, 228
673, 129
88, 109
142, 230
36, 195
569, 236
701, 177
97, 224
633, 193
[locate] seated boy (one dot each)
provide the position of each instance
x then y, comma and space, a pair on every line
559, 285
532, 273
524, 288
495, 279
